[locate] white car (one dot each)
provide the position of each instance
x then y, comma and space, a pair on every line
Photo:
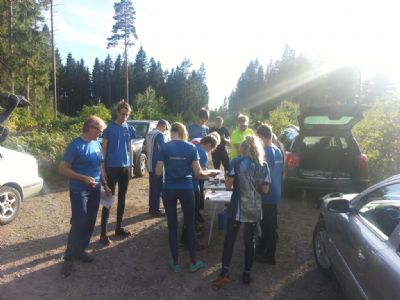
19, 180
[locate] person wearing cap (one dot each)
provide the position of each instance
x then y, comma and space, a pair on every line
154, 141
239, 134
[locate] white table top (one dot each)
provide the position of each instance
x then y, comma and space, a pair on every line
218, 196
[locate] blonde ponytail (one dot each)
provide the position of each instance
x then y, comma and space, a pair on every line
252, 147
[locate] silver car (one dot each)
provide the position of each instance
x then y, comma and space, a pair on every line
357, 238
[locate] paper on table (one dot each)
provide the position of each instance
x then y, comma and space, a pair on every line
219, 196
106, 200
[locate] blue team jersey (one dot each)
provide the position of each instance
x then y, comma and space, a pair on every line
119, 144
195, 131
274, 158
178, 157
154, 140
85, 158
245, 205
203, 160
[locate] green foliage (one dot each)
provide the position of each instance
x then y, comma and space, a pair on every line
98, 110
285, 114
149, 106
378, 135
22, 121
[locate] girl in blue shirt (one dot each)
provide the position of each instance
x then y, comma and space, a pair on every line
249, 176
180, 160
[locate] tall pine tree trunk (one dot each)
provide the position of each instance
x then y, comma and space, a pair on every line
10, 41
126, 72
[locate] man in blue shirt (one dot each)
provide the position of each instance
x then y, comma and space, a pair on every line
154, 141
116, 151
273, 155
198, 130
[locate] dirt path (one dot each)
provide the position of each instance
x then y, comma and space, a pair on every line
31, 249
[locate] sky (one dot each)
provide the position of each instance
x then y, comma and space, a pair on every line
226, 35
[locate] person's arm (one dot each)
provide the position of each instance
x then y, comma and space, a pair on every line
265, 188
159, 168
229, 182
103, 163
202, 174
64, 168
227, 137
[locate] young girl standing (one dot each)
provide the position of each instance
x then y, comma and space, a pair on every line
249, 176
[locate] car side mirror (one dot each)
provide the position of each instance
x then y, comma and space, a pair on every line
339, 206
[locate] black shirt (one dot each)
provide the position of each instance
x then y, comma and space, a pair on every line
223, 133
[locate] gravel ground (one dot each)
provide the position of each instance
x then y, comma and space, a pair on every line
31, 249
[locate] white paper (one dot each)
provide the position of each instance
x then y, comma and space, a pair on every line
218, 196
106, 200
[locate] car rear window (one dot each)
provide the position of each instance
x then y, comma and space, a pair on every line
326, 120
326, 141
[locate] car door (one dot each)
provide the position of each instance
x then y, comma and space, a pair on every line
367, 241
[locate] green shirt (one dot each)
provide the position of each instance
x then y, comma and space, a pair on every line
237, 138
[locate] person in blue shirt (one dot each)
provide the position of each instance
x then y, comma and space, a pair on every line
249, 176
266, 248
82, 165
154, 141
198, 130
207, 144
116, 150
179, 160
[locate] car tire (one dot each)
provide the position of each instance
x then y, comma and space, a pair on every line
140, 168
10, 204
319, 247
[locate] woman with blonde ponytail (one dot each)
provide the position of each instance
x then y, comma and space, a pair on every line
249, 176
179, 160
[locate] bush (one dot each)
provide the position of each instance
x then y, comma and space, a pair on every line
284, 115
378, 136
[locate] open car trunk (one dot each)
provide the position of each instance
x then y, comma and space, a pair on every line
327, 156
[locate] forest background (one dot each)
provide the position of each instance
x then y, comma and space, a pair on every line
274, 93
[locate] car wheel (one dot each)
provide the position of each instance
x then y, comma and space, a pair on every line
140, 169
10, 203
320, 239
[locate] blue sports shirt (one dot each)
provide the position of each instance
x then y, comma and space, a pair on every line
274, 158
195, 131
119, 144
85, 158
178, 157
203, 160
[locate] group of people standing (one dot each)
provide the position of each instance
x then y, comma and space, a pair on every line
177, 170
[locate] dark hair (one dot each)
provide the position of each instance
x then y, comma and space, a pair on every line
203, 114
265, 131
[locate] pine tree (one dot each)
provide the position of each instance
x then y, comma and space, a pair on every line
124, 32
140, 68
